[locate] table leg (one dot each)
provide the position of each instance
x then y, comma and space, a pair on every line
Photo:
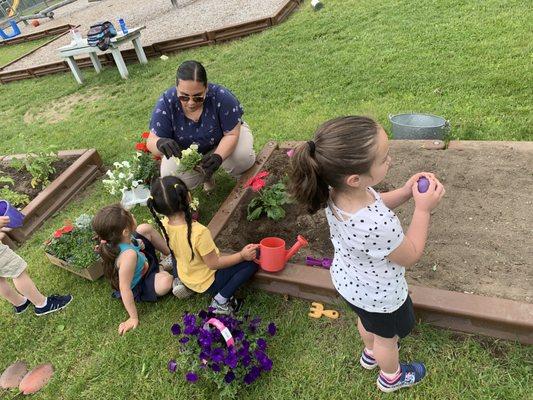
75, 70
120, 63
139, 51
96, 62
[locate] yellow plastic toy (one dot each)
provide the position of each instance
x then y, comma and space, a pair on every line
317, 310
13, 8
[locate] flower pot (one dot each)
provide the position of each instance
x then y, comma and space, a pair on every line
132, 197
92, 273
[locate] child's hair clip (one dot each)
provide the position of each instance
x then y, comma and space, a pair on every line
175, 185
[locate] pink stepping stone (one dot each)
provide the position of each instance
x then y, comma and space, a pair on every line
36, 379
13, 374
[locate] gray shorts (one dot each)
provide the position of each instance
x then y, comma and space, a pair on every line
11, 264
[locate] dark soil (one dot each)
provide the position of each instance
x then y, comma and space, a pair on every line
480, 238
23, 178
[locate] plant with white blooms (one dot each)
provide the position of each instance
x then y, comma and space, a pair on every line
190, 157
121, 178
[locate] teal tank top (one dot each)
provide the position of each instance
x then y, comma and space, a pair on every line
141, 259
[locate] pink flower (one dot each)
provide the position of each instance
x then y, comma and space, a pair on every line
257, 182
290, 153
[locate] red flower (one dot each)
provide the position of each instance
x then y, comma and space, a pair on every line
157, 158
145, 135
58, 233
257, 182
142, 147
67, 229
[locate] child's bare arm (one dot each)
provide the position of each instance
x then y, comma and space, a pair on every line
127, 264
214, 261
397, 197
411, 249
4, 221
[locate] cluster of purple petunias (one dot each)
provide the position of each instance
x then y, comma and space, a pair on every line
245, 361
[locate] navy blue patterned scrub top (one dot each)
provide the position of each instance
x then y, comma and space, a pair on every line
221, 113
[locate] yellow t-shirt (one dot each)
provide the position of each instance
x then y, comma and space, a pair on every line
195, 274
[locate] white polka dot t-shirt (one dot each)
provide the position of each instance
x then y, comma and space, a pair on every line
361, 272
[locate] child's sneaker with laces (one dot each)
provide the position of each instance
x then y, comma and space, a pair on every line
180, 290
53, 303
23, 307
409, 375
368, 361
222, 309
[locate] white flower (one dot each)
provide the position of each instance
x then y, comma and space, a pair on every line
110, 174
135, 184
121, 175
116, 164
194, 204
138, 154
177, 160
126, 164
193, 147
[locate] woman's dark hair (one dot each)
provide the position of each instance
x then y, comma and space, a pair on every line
109, 224
169, 196
342, 146
191, 71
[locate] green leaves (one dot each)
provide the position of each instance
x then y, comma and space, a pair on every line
39, 166
270, 201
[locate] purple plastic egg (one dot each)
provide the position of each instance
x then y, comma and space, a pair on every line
423, 184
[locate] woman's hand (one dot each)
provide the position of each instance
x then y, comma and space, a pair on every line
210, 163
408, 187
169, 147
125, 326
248, 252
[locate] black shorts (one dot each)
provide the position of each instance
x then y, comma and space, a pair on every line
400, 322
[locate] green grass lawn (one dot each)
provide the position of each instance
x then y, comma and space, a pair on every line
10, 53
467, 61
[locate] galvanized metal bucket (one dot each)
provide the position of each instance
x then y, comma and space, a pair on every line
419, 126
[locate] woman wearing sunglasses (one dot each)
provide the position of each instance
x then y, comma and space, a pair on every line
207, 114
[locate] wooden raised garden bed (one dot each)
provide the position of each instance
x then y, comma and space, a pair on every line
92, 273
476, 274
75, 171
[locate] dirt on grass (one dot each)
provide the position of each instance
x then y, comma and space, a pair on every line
480, 238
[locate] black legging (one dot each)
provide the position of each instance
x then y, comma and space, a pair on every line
228, 280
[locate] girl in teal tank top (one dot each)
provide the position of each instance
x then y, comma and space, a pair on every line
130, 260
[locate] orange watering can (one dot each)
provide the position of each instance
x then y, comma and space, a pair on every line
272, 253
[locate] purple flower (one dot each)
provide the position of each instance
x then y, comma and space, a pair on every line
259, 355
191, 377
190, 330
271, 329
246, 360
184, 340
254, 324
202, 314
217, 355
251, 376
189, 320
230, 376
172, 365
261, 344
242, 352
204, 338
231, 360
175, 329
245, 344
204, 355
266, 363
215, 367
238, 335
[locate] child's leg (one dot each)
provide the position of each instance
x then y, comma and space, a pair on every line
163, 283
26, 287
386, 354
368, 338
230, 279
10, 294
155, 237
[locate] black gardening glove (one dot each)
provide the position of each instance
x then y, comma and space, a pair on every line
169, 147
210, 163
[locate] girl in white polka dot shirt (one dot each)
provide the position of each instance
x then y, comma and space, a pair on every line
336, 171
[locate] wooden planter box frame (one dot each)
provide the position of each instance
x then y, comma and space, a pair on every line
484, 315
229, 32
87, 167
92, 273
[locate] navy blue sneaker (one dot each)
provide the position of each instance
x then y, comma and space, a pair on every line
410, 375
53, 303
20, 309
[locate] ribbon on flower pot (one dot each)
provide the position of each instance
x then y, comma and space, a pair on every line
226, 334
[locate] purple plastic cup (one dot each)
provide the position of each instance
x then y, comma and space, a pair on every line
423, 184
16, 218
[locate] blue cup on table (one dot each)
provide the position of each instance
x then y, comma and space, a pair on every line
16, 218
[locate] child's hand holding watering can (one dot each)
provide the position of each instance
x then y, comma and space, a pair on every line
248, 252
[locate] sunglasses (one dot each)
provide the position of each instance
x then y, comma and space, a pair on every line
196, 99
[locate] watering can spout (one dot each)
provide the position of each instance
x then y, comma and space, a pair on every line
300, 242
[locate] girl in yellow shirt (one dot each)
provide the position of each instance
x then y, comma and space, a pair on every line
200, 266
